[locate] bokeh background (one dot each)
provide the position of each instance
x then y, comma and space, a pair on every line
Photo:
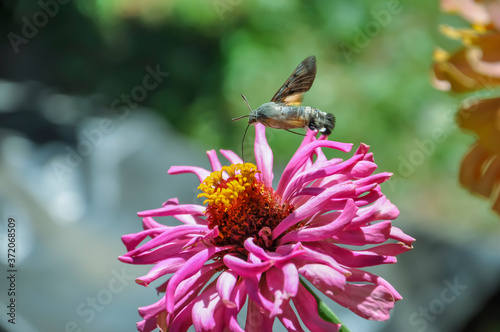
99, 98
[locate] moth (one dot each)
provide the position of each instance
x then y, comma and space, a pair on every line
284, 111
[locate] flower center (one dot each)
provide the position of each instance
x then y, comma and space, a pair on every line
242, 207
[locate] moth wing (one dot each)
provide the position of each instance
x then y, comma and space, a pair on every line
292, 91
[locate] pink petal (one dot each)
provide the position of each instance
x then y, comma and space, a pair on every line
214, 160
163, 252
381, 209
371, 234
291, 282
301, 156
201, 173
253, 288
182, 320
170, 210
149, 222
133, 240
322, 232
171, 201
289, 319
147, 325
318, 171
246, 269
274, 289
397, 234
187, 270
263, 155
185, 218
225, 286
170, 235
238, 297
370, 197
327, 280
277, 259
368, 301
362, 149
232, 157
307, 307
166, 266
256, 320
363, 169
190, 219
152, 310
358, 275
208, 311
389, 249
189, 288
352, 258
314, 256
313, 205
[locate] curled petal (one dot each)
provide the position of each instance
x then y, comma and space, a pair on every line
214, 160
225, 286
255, 293
368, 301
238, 297
302, 155
208, 311
263, 155
192, 265
168, 236
327, 280
398, 234
166, 266
201, 173
170, 210
232, 157
133, 240
277, 259
246, 269
371, 234
323, 232
314, 204
320, 171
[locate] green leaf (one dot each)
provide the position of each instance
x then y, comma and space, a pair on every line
324, 311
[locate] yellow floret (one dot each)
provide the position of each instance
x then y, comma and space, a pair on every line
240, 176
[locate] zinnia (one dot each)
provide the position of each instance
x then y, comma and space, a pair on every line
253, 242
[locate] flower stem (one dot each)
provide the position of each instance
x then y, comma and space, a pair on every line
324, 311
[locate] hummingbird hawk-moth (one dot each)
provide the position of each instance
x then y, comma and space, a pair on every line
284, 111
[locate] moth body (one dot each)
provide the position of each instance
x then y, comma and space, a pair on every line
281, 116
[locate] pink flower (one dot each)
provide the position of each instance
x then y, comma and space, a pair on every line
251, 241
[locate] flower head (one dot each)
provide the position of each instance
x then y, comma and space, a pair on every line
254, 242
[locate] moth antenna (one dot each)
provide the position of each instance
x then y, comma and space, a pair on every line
248, 105
248, 125
246, 102
240, 117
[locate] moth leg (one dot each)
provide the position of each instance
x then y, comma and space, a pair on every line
295, 132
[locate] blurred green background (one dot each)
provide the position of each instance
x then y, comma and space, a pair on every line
373, 60
373, 75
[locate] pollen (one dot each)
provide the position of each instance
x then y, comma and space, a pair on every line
224, 192
241, 206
